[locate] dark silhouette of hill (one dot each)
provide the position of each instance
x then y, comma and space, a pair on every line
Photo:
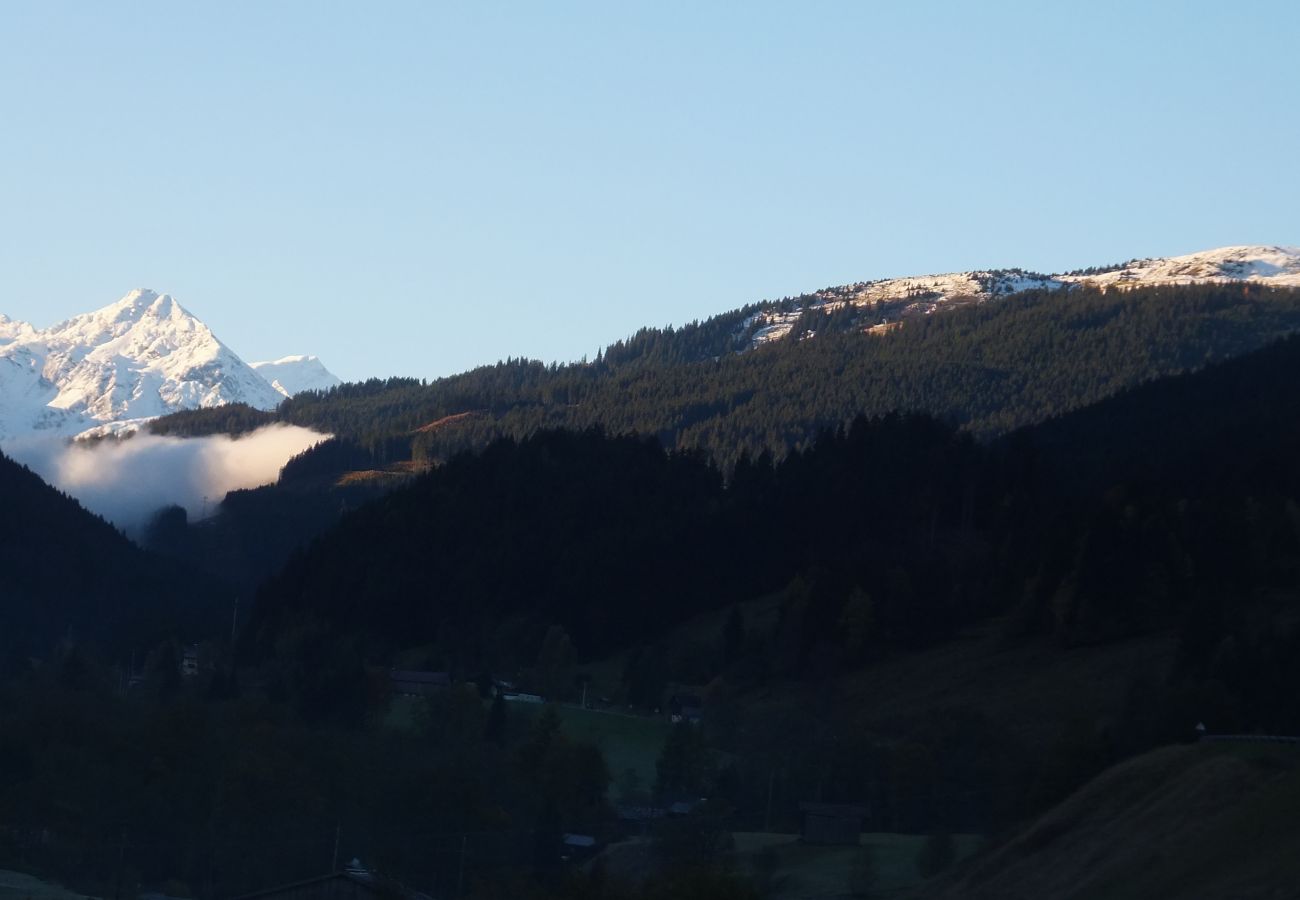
1206, 822
68, 574
1169, 509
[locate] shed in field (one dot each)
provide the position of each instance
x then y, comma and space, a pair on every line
417, 684
832, 823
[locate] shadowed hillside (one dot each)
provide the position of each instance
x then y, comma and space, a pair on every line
1194, 822
68, 574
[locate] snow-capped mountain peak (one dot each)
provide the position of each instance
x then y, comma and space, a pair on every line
293, 374
140, 357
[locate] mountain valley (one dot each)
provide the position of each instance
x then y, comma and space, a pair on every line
1014, 547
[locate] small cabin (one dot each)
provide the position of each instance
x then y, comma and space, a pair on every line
523, 698
832, 824
190, 661
685, 708
409, 683
579, 847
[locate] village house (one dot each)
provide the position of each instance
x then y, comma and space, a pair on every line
685, 708
832, 824
409, 683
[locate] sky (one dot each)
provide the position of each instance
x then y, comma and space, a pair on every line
419, 188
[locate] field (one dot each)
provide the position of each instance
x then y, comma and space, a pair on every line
1197, 821
791, 869
17, 886
627, 742
784, 868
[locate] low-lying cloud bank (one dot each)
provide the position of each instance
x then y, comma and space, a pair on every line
128, 481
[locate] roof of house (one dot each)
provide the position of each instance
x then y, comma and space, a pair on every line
416, 677
836, 810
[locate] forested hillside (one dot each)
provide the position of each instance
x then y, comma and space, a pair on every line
889, 534
987, 369
66, 574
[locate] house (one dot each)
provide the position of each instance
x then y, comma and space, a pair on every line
639, 819
685, 708
523, 698
832, 823
410, 683
353, 883
579, 847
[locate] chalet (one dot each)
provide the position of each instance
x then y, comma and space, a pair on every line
685, 708
409, 683
579, 847
832, 823
353, 883
639, 819
523, 698
687, 806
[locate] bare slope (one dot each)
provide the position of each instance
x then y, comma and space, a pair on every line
1193, 822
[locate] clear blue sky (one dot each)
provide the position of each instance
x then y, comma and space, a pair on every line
416, 188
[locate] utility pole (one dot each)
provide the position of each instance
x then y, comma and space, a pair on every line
460, 875
234, 622
334, 866
121, 859
767, 818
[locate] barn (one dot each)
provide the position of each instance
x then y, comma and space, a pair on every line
832, 823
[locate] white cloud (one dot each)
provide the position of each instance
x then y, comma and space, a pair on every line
127, 481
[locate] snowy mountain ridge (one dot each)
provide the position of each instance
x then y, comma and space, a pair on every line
294, 374
892, 301
141, 357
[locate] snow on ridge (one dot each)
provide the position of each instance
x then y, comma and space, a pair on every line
1278, 266
889, 302
294, 374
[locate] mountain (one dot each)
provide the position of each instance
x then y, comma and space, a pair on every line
987, 367
294, 374
141, 357
883, 304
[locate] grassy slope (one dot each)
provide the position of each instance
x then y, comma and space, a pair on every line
626, 742
1205, 821
1027, 686
799, 870
1030, 686
17, 886
785, 868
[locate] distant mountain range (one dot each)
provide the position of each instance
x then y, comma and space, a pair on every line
146, 356
141, 357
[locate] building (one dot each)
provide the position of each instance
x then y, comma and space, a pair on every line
579, 847
523, 698
685, 708
832, 823
417, 684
